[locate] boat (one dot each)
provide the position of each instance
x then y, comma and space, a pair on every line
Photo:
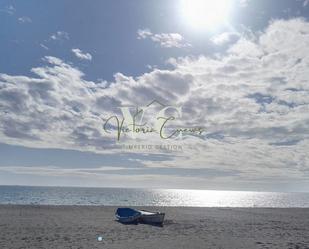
130, 215
151, 217
127, 215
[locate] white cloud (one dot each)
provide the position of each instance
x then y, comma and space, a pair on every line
24, 19
60, 36
227, 37
81, 55
8, 9
253, 102
144, 33
166, 40
44, 46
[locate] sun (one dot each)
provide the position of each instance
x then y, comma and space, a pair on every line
205, 14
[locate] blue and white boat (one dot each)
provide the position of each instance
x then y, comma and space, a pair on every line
127, 215
130, 215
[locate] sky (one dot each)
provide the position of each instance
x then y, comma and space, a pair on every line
234, 73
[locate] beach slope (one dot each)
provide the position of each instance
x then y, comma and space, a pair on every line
80, 226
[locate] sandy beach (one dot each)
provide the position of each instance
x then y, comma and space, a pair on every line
79, 227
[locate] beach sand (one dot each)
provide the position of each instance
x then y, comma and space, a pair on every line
188, 228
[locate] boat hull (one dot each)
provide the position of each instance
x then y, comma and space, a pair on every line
149, 217
131, 219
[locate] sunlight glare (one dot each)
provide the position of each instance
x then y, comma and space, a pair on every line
206, 14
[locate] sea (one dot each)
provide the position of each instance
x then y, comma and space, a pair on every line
25, 195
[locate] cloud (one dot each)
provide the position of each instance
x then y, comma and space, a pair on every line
9, 10
24, 19
81, 55
227, 37
305, 3
144, 33
60, 36
44, 46
166, 40
253, 101
114, 170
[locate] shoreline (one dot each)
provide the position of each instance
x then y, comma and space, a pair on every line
70, 226
143, 206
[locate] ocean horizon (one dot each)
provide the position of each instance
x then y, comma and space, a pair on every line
92, 196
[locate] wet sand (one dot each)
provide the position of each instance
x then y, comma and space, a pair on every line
79, 226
